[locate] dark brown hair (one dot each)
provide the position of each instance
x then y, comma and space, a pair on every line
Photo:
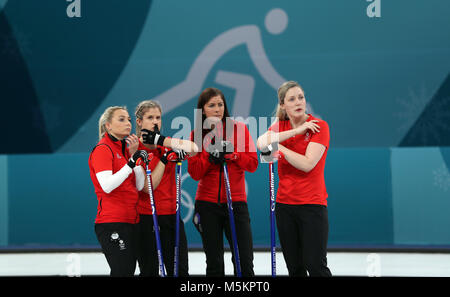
204, 98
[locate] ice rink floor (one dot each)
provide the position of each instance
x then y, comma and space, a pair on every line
340, 264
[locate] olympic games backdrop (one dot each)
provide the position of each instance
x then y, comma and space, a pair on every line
377, 71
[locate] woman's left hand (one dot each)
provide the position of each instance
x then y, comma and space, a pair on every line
311, 125
133, 143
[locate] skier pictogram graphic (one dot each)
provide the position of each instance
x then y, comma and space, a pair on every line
276, 22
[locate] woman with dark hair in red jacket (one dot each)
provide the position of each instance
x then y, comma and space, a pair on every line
211, 213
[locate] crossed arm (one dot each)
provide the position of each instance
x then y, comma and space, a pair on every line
314, 150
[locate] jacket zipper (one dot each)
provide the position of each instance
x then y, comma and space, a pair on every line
124, 146
220, 184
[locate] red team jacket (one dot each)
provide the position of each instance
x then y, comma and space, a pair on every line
296, 186
210, 176
165, 194
119, 206
125, 203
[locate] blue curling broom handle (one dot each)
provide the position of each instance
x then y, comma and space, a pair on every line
155, 224
177, 223
232, 225
272, 220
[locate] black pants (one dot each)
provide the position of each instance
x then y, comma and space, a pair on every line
303, 234
214, 221
147, 254
118, 242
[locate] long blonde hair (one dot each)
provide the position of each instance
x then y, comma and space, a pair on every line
282, 90
106, 118
141, 109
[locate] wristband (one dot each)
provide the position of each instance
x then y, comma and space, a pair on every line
159, 139
131, 163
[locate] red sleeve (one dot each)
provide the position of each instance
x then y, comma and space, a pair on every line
248, 159
101, 159
275, 127
198, 164
322, 137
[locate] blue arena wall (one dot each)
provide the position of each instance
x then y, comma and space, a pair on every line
378, 197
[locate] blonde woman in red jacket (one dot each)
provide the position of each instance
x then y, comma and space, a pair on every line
211, 213
117, 179
301, 208
148, 124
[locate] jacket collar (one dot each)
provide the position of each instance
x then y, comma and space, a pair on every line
120, 143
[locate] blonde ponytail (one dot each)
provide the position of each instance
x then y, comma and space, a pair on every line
106, 118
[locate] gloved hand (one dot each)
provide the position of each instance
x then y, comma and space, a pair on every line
231, 156
141, 154
173, 156
181, 155
218, 152
216, 157
269, 153
152, 137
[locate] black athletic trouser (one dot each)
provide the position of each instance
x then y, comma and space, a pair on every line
214, 221
303, 234
118, 242
147, 255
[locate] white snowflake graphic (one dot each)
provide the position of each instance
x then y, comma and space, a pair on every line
437, 129
442, 178
412, 107
434, 126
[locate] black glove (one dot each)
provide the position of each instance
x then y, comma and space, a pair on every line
173, 156
218, 151
268, 152
216, 157
141, 154
181, 155
152, 137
